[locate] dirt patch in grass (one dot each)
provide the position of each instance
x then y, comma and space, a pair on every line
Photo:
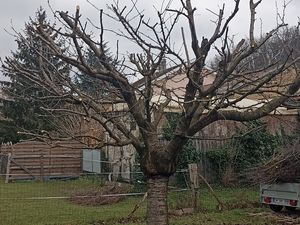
131, 220
181, 212
107, 194
234, 224
241, 204
121, 221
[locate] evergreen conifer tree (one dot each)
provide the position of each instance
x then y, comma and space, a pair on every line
23, 100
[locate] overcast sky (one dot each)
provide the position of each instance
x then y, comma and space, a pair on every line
16, 12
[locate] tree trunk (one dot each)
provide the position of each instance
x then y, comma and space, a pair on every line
157, 208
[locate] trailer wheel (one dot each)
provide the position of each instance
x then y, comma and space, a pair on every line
290, 208
276, 208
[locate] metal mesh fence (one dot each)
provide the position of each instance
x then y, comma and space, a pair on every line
85, 199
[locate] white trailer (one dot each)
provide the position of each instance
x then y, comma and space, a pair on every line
280, 195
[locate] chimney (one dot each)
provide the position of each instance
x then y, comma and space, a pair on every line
163, 65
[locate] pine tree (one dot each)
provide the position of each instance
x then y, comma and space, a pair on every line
23, 111
93, 86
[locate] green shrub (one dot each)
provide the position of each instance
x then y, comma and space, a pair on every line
254, 147
189, 153
219, 160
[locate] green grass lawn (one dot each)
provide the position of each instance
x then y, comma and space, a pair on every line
16, 207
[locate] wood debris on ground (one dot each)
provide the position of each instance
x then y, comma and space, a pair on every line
283, 218
283, 167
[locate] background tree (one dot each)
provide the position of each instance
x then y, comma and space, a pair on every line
201, 105
277, 48
91, 85
23, 98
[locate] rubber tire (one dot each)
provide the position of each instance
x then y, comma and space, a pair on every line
276, 208
290, 208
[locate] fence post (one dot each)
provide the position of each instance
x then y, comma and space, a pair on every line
42, 166
8, 167
194, 178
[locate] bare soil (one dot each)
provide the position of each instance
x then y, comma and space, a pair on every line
107, 194
282, 218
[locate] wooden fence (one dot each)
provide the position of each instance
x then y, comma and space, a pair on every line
203, 145
39, 160
4, 163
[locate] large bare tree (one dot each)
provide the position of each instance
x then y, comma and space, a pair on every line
124, 103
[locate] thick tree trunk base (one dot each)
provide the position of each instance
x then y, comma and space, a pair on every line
157, 208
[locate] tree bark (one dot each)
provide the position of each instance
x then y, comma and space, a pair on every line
157, 208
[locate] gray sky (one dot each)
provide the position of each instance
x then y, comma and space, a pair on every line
17, 12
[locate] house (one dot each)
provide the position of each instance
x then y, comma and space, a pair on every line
283, 119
